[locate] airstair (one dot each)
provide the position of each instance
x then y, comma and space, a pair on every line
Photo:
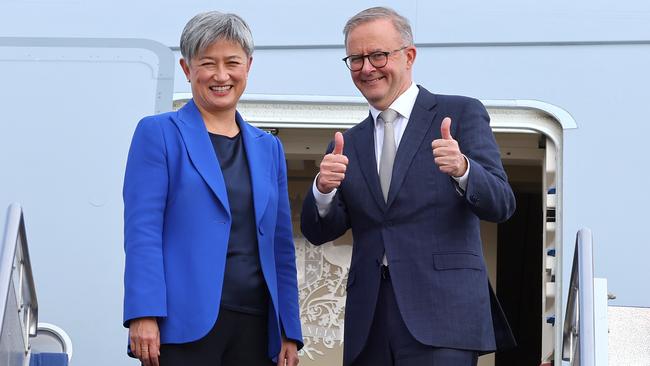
594, 333
23, 340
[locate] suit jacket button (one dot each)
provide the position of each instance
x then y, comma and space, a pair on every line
473, 198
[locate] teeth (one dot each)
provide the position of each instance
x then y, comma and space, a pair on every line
220, 88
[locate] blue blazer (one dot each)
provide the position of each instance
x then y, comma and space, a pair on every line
177, 223
429, 231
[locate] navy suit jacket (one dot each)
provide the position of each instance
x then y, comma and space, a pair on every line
429, 231
177, 223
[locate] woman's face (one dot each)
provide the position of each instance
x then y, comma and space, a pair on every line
218, 75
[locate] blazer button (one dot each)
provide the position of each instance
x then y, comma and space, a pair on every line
473, 198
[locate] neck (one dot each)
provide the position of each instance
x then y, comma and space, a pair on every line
220, 122
402, 90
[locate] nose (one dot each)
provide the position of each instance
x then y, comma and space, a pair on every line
220, 74
367, 67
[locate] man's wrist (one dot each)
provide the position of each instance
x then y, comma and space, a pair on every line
462, 180
323, 200
318, 187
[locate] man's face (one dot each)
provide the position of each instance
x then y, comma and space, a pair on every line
381, 86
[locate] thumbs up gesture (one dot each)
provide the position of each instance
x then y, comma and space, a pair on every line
333, 167
446, 152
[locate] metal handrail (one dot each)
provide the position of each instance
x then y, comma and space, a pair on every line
15, 266
578, 345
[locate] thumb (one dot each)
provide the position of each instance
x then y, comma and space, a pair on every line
338, 144
445, 129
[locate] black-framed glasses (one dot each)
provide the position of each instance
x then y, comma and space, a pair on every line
377, 59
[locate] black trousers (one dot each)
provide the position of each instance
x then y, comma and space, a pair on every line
236, 339
391, 344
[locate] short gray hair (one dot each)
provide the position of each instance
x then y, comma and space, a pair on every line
400, 23
205, 28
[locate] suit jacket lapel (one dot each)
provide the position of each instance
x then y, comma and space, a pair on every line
417, 128
200, 149
259, 155
364, 145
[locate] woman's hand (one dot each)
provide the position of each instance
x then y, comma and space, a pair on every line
144, 338
288, 354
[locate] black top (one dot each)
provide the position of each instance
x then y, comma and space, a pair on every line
244, 288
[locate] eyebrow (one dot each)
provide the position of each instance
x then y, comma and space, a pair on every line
228, 58
369, 52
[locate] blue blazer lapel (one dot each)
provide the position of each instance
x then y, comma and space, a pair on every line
417, 128
364, 145
200, 150
260, 157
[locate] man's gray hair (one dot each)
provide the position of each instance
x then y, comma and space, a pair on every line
205, 28
401, 23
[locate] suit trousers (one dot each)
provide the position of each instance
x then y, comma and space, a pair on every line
390, 343
236, 339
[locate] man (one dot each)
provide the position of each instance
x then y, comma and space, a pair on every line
412, 181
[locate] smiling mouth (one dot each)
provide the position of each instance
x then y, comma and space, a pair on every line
221, 88
372, 81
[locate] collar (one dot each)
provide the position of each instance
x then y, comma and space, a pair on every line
403, 105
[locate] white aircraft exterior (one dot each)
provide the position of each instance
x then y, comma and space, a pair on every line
566, 85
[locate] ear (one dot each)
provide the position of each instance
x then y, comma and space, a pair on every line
250, 62
411, 52
186, 68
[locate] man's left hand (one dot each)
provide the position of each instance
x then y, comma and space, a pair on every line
446, 152
288, 354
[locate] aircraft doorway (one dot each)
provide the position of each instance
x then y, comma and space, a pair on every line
513, 251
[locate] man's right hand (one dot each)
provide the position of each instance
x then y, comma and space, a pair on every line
144, 338
332, 168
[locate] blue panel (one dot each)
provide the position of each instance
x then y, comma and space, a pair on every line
48, 359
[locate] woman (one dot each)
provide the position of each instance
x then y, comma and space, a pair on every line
210, 276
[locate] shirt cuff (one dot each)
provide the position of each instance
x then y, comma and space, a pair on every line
462, 180
323, 200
